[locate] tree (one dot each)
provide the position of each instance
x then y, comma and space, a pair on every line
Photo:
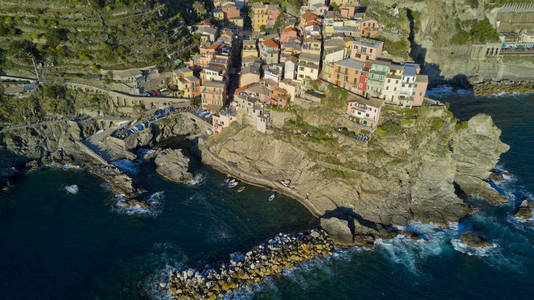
199, 8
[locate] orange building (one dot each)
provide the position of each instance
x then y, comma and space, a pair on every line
280, 98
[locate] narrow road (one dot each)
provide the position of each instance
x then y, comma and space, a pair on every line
11, 128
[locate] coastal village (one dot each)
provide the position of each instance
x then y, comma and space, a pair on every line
255, 78
242, 74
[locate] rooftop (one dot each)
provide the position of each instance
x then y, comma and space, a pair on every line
270, 44
351, 64
215, 84
182, 71
370, 102
369, 43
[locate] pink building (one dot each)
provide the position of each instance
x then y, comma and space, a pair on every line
213, 95
347, 11
421, 84
365, 112
369, 28
287, 33
366, 49
231, 12
223, 119
273, 14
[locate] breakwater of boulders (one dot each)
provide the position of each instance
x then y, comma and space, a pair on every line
504, 86
284, 251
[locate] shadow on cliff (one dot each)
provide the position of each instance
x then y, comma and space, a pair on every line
348, 214
418, 54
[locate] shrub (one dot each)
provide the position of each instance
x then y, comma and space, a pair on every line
436, 124
473, 3
390, 128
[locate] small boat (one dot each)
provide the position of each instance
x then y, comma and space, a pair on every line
242, 188
227, 180
232, 183
271, 198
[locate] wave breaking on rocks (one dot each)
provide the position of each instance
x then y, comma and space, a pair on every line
242, 272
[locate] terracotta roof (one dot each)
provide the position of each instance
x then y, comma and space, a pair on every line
289, 29
270, 44
308, 16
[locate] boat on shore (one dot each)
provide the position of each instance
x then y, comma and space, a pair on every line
230, 182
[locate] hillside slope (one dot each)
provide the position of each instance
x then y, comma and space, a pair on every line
80, 37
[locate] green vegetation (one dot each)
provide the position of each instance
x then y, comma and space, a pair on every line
389, 128
69, 37
274, 108
399, 48
461, 125
336, 97
480, 32
436, 123
473, 3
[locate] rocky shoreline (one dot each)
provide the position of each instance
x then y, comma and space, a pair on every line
280, 253
486, 88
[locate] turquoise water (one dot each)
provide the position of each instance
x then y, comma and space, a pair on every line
59, 245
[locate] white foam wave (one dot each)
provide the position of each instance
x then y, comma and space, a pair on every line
72, 189
444, 91
197, 180
146, 154
464, 248
127, 165
411, 253
71, 167
152, 205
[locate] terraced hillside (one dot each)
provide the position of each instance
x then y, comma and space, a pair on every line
75, 37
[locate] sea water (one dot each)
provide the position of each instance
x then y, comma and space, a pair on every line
56, 244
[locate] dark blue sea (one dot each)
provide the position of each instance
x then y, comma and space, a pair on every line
62, 235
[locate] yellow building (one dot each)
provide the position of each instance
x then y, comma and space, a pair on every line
263, 15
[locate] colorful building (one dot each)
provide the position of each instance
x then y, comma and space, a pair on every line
365, 49
287, 33
365, 112
280, 98
269, 51
263, 15
189, 86
213, 95
369, 28
308, 67
223, 119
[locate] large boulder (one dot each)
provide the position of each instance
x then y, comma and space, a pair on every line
338, 230
523, 213
477, 150
473, 240
173, 165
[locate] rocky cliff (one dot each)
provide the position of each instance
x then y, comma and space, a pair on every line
413, 169
61, 143
442, 40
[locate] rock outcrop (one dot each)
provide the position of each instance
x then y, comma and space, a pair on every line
337, 229
473, 240
415, 174
524, 211
476, 151
173, 165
